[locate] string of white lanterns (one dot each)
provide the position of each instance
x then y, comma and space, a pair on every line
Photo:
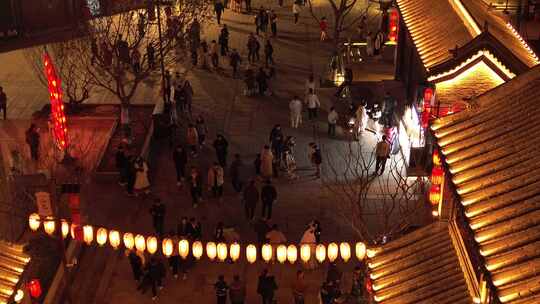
221, 251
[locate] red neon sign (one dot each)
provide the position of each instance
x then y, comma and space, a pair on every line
58, 118
393, 25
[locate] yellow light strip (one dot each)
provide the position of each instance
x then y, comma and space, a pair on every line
523, 42
471, 25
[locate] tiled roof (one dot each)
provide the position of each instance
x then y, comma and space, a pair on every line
421, 267
438, 26
492, 152
12, 264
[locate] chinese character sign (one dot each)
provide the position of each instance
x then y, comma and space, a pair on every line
58, 118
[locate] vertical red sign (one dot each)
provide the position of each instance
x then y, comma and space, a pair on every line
58, 118
393, 25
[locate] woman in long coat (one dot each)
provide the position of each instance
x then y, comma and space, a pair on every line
266, 162
141, 177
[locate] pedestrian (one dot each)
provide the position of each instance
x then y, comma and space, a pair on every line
273, 21
257, 163
299, 288
248, 6
187, 89
268, 198
235, 61
157, 211
317, 161
334, 274
156, 272
219, 237
183, 228
195, 183
308, 238
221, 145
382, 152
313, 104
329, 293
267, 159
348, 79
142, 184
262, 81
174, 259
216, 180
121, 162
310, 84
214, 54
202, 130
295, 106
237, 291
179, 98
33, 140
180, 161
266, 287
219, 9
251, 198
136, 61
358, 283
275, 237
276, 140
252, 47
296, 11
323, 25
258, 21
268, 53
261, 229
136, 265
257, 49
192, 139
378, 43
221, 288
150, 54
224, 40
332, 121
131, 175
3, 102
317, 231
237, 173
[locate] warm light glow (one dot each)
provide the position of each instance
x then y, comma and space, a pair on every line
197, 249
183, 249
333, 251
88, 234
436, 158
251, 253
65, 228
101, 236
114, 239
266, 252
435, 194
371, 253
151, 244
360, 249
167, 247
211, 250
345, 250
292, 254
129, 241
281, 253
305, 252
435, 213
222, 251
235, 251
437, 175
19, 295
140, 243
523, 43
469, 22
320, 253
34, 221
49, 226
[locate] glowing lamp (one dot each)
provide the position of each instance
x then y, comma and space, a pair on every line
129, 241
437, 174
435, 194
292, 254
266, 252
222, 251
88, 234
436, 158
332, 252
235, 251
34, 221
435, 213
371, 253
18, 296
305, 253
197, 249
251, 253
151, 244
64, 226
101, 236
320, 253
183, 248
49, 226
281, 253
345, 250
140, 243
114, 239
34, 287
360, 249
211, 250
167, 247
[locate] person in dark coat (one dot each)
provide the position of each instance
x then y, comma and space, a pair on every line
195, 183
235, 61
268, 53
131, 175
221, 288
33, 139
237, 173
136, 265
262, 81
183, 229
266, 287
273, 22
121, 162
219, 9
224, 40
157, 273
180, 160
218, 233
237, 291
150, 54
221, 146
261, 229
158, 216
251, 198
252, 48
276, 140
268, 197
257, 164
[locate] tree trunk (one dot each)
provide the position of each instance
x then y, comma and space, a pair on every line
124, 114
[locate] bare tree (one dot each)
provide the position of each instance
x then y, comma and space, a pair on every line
374, 205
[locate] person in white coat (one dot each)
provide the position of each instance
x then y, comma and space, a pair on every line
295, 106
313, 104
308, 238
361, 120
142, 185
332, 121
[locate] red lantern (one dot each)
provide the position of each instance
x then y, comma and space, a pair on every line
393, 25
437, 174
34, 287
436, 158
369, 285
435, 194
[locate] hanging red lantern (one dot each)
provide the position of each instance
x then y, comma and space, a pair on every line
436, 158
34, 287
437, 174
435, 194
393, 25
